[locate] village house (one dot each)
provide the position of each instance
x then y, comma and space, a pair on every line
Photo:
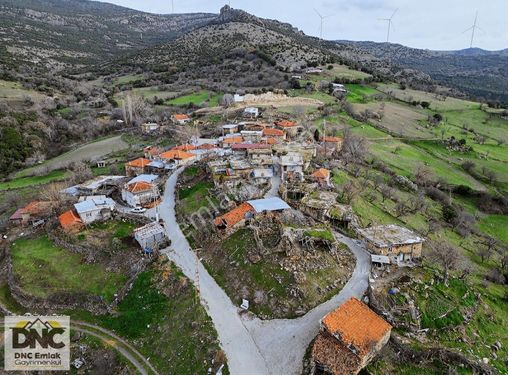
339, 87
332, 143
136, 167
70, 222
151, 152
181, 119
391, 244
242, 149
150, 236
313, 70
150, 127
92, 209
238, 98
227, 142
292, 167
156, 167
253, 136
140, 193
251, 112
32, 214
177, 157
262, 176
349, 338
261, 157
240, 168
291, 128
229, 129
247, 210
307, 150
322, 177
185, 147
100, 185
274, 133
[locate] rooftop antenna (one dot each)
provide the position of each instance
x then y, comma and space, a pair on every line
389, 20
473, 29
322, 22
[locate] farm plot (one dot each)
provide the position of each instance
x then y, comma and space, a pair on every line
397, 119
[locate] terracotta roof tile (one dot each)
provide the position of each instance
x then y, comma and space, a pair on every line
234, 216
273, 132
180, 117
139, 187
206, 146
18, 214
285, 124
356, 325
176, 155
272, 141
321, 173
70, 220
231, 140
138, 163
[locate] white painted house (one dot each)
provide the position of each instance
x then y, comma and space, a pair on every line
251, 112
93, 209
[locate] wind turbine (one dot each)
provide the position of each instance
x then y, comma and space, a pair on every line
322, 22
473, 28
389, 20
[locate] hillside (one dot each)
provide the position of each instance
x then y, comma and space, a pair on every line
479, 73
240, 42
60, 33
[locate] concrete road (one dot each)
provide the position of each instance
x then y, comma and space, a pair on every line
253, 346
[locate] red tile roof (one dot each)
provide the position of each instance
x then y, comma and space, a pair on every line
234, 216
272, 141
249, 146
285, 124
231, 140
180, 117
357, 326
70, 221
152, 150
321, 173
18, 215
37, 207
273, 132
138, 187
176, 155
138, 163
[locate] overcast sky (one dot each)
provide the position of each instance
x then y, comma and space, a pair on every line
432, 24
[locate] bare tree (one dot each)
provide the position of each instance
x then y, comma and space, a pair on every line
227, 100
386, 192
446, 258
423, 175
80, 172
354, 148
486, 248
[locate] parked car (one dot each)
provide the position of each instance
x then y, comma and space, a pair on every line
138, 210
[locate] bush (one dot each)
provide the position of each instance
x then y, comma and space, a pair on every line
449, 213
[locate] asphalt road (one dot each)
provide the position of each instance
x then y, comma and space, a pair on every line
253, 346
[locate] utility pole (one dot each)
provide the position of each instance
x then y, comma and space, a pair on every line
196, 281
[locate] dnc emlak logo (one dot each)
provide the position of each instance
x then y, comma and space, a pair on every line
36, 343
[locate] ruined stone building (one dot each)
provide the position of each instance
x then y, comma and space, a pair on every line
350, 337
392, 243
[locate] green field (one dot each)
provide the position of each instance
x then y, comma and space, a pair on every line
44, 269
496, 226
200, 98
357, 93
14, 90
22, 182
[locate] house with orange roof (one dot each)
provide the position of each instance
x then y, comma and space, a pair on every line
151, 152
290, 127
227, 142
274, 133
33, 212
177, 157
349, 339
70, 222
235, 217
181, 119
332, 143
140, 193
136, 167
321, 176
